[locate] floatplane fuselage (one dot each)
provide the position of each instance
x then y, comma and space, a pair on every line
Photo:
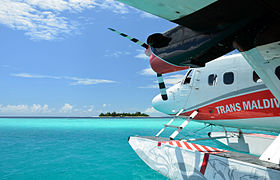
226, 92
241, 90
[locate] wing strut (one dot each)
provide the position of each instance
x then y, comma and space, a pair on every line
265, 60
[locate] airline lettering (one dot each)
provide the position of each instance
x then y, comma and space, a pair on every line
248, 105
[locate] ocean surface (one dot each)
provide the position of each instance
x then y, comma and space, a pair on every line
33, 148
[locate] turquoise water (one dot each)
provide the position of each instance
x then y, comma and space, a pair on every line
77, 148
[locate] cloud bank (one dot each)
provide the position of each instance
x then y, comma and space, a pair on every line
75, 80
25, 109
45, 110
46, 19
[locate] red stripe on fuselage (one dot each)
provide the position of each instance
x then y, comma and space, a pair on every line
253, 105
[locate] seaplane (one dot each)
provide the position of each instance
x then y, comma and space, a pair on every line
240, 91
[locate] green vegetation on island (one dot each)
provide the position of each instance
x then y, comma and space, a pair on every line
114, 114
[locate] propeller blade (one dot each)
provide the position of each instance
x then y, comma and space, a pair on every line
162, 87
144, 45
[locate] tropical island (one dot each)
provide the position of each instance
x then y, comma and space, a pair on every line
114, 114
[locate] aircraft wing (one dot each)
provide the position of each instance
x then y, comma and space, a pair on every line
201, 15
167, 9
209, 29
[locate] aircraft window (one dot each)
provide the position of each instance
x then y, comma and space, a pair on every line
256, 77
277, 72
212, 79
228, 77
188, 78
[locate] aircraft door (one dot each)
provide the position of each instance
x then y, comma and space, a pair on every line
186, 88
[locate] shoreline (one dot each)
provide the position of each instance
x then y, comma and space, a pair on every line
81, 117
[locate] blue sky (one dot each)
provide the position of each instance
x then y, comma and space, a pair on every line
58, 58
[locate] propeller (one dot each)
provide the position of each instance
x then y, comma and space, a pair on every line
162, 87
146, 46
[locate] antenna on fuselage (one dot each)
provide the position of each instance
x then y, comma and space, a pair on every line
146, 46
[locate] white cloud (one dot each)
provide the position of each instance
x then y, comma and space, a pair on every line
148, 72
112, 5
76, 80
40, 108
66, 108
141, 54
150, 110
148, 15
46, 19
43, 19
116, 54
168, 80
27, 75
70, 110
37, 23
106, 105
87, 81
152, 86
13, 108
153, 112
173, 79
90, 110
44, 110
25, 109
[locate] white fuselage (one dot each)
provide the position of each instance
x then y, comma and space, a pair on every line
226, 92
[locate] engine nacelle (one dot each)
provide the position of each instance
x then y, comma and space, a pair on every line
161, 66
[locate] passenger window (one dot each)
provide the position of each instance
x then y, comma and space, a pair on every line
228, 77
256, 77
212, 79
277, 72
188, 78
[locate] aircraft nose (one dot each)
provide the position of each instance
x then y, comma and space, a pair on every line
163, 106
